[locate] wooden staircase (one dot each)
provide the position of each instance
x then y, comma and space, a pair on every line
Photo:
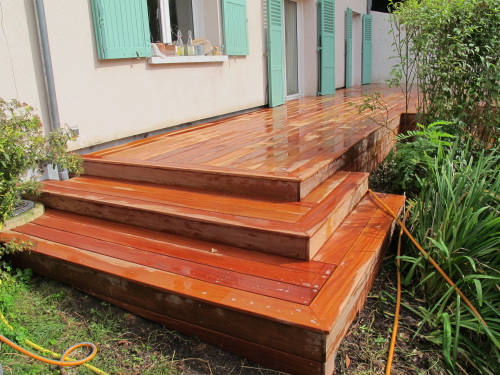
275, 280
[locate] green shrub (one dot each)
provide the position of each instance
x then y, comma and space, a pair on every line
407, 160
25, 150
456, 220
452, 47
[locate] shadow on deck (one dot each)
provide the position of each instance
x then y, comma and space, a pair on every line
253, 232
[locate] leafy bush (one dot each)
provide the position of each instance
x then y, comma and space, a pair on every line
25, 150
456, 220
407, 160
452, 47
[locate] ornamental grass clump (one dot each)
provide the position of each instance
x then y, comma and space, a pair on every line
25, 150
456, 219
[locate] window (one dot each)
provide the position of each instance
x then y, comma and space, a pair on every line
125, 28
166, 17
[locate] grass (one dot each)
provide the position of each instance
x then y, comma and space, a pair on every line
56, 316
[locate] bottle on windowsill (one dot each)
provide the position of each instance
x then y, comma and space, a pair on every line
179, 46
190, 46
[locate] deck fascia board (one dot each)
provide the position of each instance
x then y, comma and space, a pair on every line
269, 308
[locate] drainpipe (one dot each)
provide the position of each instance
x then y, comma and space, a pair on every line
47, 65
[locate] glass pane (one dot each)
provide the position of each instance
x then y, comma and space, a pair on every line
181, 17
291, 48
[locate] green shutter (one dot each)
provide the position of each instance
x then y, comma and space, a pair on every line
275, 51
348, 47
234, 13
326, 13
121, 28
366, 72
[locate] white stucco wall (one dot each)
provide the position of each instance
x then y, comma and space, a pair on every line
358, 6
112, 99
382, 48
21, 73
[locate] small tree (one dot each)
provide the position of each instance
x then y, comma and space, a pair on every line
25, 151
455, 47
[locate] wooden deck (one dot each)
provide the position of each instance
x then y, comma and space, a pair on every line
282, 153
253, 233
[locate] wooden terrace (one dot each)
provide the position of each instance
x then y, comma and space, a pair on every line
254, 232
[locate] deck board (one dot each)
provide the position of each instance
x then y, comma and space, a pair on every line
197, 285
293, 229
300, 140
253, 232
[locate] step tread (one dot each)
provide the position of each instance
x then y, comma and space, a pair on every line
266, 285
238, 221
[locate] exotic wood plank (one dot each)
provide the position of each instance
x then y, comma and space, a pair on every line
295, 230
314, 267
260, 185
175, 248
153, 290
236, 280
309, 139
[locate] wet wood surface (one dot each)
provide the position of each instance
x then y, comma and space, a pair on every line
283, 152
253, 232
292, 229
194, 286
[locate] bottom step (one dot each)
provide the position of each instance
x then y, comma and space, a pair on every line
286, 314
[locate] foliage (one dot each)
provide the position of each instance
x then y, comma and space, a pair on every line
55, 317
25, 151
456, 219
407, 160
452, 47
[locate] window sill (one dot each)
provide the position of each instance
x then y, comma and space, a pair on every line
186, 59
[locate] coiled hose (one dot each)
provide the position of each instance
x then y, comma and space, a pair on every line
64, 361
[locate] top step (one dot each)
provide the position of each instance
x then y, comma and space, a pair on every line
280, 153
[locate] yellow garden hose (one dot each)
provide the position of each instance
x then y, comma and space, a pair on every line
398, 302
432, 261
64, 360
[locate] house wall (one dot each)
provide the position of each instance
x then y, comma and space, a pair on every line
112, 99
21, 72
382, 48
358, 6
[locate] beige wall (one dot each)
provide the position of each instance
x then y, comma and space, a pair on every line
382, 48
358, 6
21, 73
113, 99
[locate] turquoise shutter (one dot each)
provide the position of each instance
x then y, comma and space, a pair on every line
275, 51
121, 28
366, 72
326, 13
234, 13
348, 47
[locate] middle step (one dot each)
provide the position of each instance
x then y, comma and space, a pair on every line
292, 229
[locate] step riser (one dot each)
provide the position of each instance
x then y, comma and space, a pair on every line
301, 241
252, 186
335, 218
362, 155
248, 238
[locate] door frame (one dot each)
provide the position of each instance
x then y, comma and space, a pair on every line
300, 51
